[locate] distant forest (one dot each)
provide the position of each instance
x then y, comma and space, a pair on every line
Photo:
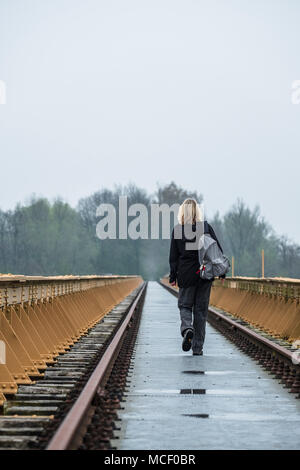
44, 238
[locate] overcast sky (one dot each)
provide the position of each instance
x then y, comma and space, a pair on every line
112, 91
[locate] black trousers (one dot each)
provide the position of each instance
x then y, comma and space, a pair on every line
193, 304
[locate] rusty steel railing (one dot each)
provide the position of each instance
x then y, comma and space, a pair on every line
285, 288
41, 317
270, 304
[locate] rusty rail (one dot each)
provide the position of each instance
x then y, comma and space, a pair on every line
70, 426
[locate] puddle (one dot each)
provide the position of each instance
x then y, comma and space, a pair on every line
193, 372
195, 391
196, 415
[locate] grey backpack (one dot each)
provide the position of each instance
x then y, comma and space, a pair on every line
213, 263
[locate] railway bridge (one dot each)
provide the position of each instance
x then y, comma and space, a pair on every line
95, 362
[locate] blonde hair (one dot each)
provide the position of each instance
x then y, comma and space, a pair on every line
189, 212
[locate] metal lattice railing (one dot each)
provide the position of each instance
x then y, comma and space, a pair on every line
272, 287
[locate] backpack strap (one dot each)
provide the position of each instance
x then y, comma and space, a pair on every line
206, 227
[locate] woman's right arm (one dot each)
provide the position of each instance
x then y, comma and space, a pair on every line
173, 260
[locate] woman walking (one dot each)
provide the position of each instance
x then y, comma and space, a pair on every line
194, 292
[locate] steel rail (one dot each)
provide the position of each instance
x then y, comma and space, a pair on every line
247, 331
67, 430
256, 336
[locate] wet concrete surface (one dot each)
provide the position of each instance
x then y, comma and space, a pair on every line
221, 400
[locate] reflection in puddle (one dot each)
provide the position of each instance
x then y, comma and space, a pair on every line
195, 391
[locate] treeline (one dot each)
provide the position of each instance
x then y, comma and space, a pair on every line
43, 238
244, 233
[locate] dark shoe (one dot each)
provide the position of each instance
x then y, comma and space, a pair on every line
198, 353
187, 340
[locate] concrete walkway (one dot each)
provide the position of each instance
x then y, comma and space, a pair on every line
235, 403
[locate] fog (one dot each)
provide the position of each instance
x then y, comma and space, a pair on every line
149, 91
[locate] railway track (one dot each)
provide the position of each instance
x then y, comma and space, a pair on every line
225, 399
94, 397
44, 409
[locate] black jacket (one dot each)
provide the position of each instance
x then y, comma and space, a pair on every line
185, 263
